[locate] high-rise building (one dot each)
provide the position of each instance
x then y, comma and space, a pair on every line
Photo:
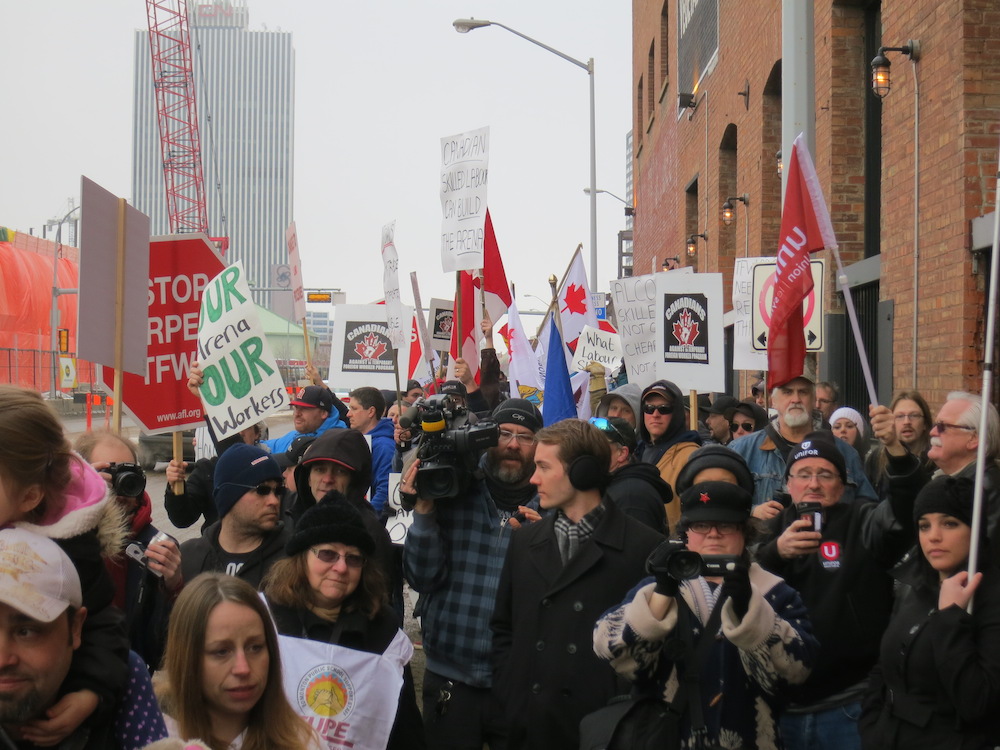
245, 87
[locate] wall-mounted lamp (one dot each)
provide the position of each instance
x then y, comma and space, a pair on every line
729, 211
686, 101
669, 264
745, 93
692, 243
880, 66
781, 164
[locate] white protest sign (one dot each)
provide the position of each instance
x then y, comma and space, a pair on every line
812, 307
442, 318
398, 337
464, 164
295, 268
689, 308
745, 356
399, 523
361, 353
242, 384
349, 697
595, 345
635, 308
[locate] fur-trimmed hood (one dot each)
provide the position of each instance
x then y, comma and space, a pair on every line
86, 504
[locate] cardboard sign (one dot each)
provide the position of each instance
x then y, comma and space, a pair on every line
635, 307
689, 307
361, 352
398, 335
242, 384
441, 319
595, 345
295, 271
464, 166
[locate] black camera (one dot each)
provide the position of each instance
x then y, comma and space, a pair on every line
127, 480
449, 447
673, 558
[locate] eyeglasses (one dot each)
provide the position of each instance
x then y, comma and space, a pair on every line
826, 401
506, 436
823, 477
609, 430
332, 557
908, 417
661, 409
265, 489
745, 426
941, 427
703, 527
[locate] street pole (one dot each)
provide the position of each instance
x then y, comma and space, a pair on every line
56, 291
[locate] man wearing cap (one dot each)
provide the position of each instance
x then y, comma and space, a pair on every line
560, 575
665, 440
314, 412
636, 488
366, 408
841, 573
717, 421
249, 535
41, 623
457, 390
765, 451
452, 557
413, 391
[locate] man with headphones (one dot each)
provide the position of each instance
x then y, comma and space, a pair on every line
560, 575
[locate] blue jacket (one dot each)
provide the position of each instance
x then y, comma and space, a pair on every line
767, 464
281, 444
383, 451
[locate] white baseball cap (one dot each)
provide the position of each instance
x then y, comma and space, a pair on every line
36, 577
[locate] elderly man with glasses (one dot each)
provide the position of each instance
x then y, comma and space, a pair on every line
836, 553
452, 557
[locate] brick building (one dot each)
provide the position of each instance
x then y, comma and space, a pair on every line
689, 159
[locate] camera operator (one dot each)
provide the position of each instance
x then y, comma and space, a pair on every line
729, 693
452, 557
836, 553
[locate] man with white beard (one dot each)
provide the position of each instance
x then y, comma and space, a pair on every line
765, 451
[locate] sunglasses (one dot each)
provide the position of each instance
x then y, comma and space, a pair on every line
942, 426
661, 409
610, 431
745, 426
332, 557
265, 489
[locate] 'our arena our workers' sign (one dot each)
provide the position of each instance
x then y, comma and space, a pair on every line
242, 384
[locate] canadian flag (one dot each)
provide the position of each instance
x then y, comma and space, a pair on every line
805, 229
526, 372
575, 305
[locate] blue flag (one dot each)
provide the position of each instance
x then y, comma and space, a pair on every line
558, 403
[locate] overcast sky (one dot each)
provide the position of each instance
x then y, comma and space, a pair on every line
378, 84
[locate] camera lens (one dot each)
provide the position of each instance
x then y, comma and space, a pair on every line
684, 565
129, 483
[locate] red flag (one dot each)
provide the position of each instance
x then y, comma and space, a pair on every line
496, 290
805, 229
464, 334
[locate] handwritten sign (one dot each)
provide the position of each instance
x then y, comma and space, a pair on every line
464, 169
242, 384
390, 284
595, 345
295, 269
635, 305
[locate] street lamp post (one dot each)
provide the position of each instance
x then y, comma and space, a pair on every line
56, 292
464, 26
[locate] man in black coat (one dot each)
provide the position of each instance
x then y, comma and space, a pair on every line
560, 575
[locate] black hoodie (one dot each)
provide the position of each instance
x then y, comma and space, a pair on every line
640, 492
651, 451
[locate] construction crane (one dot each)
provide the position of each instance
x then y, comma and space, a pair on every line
177, 117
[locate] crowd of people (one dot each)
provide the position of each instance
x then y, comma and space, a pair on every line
777, 571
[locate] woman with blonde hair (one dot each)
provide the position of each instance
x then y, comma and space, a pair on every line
223, 671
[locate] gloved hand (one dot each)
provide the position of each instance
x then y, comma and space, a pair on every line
736, 585
657, 564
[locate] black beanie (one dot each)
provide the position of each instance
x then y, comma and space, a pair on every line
714, 457
330, 520
949, 495
819, 444
518, 411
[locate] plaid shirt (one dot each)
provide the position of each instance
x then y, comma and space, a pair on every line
453, 558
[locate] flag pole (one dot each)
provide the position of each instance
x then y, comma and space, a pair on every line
991, 313
855, 328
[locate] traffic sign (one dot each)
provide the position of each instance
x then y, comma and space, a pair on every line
812, 307
180, 266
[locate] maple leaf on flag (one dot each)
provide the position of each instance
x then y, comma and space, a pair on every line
685, 329
575, 299
371, 347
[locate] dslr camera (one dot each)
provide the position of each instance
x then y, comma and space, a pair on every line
127, 480
449, 447
677, 561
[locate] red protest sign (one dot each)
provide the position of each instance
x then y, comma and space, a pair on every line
180, 266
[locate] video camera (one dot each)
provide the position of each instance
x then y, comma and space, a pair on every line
681, 564
449, 447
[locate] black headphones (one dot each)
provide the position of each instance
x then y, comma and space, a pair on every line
587, 472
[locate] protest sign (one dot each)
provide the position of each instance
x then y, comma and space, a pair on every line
464, 164
595, 345
442, 318
242, 384
745, 356
361, 352
635, 308
295, 271
689, 308
390, 285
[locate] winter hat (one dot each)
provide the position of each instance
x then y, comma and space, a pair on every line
750, 409
518, 411
454, 388
331, 520
846, 412
316, 397
715, 501
411, 384
293, 455
714, 457
818, 445
38, 578
722, 404
240, 468
945, 494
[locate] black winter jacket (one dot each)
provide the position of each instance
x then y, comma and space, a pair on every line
202, 554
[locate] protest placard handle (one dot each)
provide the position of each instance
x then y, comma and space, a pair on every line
178, 445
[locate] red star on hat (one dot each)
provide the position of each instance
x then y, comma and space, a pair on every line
704, 497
